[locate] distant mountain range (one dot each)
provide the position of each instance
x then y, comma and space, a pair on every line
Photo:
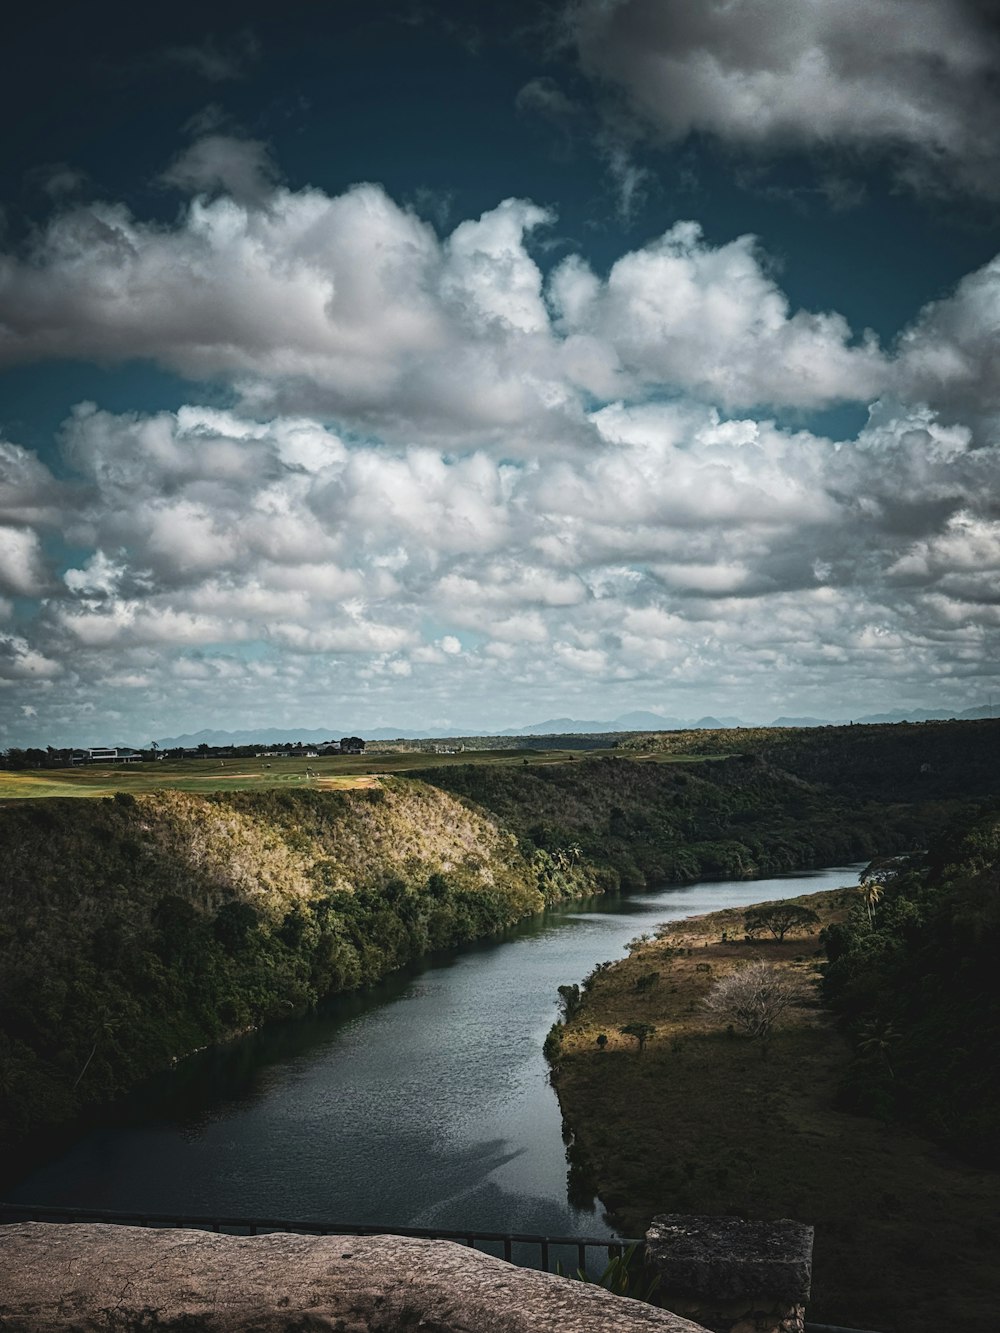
556, 726
640, 721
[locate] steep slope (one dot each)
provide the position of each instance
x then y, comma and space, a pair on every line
640, 822
136, 929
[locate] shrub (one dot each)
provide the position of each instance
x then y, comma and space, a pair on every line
754, 997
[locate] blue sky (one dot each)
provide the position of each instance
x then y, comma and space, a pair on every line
403, 365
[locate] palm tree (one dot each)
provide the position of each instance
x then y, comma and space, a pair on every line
871, 892
877, 1039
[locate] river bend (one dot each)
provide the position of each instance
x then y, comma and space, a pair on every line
423, 1102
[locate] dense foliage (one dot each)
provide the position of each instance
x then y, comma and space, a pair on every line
913, 976
136, 929
645, 822
903, 761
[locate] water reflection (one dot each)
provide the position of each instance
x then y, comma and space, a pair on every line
423, 1102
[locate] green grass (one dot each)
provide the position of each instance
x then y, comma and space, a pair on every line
700, 1122
206, 775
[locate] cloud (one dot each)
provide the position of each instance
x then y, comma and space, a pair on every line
215, 60
914, 79
960, 565
710, 318
242, 168
253, 564
452, 477
543, 101
543, 97
20, 662
21, 565
57, 179
352, 308
29, 493
950, 355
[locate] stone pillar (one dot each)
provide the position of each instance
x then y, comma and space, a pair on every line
730, 1275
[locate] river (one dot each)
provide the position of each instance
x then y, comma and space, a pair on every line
423, 1102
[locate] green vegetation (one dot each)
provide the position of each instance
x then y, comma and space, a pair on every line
711, 1121
642, 823
626, 1274
903, 761
136, 929
640, 1031
779, 919
912, 974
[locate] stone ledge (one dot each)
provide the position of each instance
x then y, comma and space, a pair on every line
84, 1278
727, 1258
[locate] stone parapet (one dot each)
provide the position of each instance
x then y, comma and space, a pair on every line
55, 1278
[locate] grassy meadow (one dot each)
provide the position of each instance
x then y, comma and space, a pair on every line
710, 1122
334, 772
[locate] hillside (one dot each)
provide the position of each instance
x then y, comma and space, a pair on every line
642, 822
135, 929
913, 762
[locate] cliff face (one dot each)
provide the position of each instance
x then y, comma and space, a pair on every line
134, 930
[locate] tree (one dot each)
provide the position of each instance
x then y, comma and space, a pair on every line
571, 1000
871, 892
779, 918
641, 1031
754, 996
882, 871
876, 1040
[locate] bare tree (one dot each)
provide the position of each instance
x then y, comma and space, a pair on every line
754, 996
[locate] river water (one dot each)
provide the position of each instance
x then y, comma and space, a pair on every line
423, 1102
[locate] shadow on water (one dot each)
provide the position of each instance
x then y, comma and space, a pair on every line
422, 1101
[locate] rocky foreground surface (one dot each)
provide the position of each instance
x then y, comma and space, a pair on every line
99, 1277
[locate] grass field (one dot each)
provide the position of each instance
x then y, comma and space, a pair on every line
701, 1122
204, 775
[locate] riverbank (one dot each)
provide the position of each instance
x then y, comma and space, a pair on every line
699, 1121
421, 1101
138, 929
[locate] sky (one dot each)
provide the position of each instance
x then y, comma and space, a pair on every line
434, 365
